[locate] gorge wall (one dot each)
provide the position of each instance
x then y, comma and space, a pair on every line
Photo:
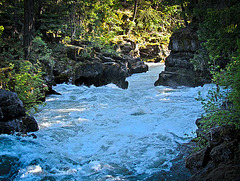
179, 70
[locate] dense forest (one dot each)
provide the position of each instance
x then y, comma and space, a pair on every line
40, 31
49, 42
34, 36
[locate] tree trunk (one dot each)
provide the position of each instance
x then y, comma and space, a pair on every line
73, 21
28, 26
16, 18
38, 14
184, 15
135, 10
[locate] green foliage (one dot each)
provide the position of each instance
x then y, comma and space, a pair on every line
219, 27
163, 19
234, 69
201, 142
96, 46
222, 104
40, 52
25, 79
219, 31
229, 78
12, 50
97, 22
213, 100
1, 31
201, 60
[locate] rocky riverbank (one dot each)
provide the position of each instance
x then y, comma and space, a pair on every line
179, 69
13, 117
219, 159
80, 65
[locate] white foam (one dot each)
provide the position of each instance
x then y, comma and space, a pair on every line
108, 132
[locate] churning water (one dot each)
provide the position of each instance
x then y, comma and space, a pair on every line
106, 133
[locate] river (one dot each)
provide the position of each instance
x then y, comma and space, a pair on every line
107, 133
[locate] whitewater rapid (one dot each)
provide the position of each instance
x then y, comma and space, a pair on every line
107, 133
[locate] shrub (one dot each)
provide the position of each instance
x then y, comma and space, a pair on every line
222, 104
25, 79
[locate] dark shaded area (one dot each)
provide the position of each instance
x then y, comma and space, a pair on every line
179, 70
220, 159
13, 117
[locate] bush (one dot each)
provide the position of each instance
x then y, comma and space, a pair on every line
222, 104
25, 79
1, 31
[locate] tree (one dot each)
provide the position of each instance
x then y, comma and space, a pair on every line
28, 26
135, 10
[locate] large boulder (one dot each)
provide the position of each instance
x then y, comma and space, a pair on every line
219, 160
99, 74
10, 106
179, 70
98, 69
137, 66
13, 116
115, 73
198, 160
86, 73
150, 51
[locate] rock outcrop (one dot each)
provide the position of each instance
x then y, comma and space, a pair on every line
13, 117
154, 48
95, 69
98, 74
219, 160
179, 71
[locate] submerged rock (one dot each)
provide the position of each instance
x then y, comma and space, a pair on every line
8, 167
13, 115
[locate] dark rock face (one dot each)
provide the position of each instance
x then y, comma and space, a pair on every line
98, 70
179, 70
77, 65
114, 73
99, 74
150, 51
198, 160
29, 124
137, 66
13, 115
220, 159
10, 106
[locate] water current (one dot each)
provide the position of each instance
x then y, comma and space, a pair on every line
107, 133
